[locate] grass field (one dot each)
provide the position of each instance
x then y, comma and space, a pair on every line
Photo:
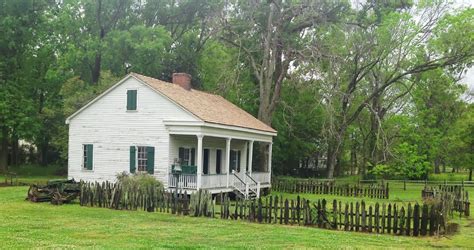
24, 225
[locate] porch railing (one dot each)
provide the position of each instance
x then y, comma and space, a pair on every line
262, 177
185, 181
252, 185
214, 181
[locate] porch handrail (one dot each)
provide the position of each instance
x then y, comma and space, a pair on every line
243, 189
255, 187
250, 177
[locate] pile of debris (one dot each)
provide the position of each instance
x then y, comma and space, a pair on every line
55, 191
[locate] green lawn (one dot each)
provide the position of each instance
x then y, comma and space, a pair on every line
24, 225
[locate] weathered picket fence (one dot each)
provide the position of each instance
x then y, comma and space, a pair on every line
114, 196
455, 195
379, 191
410, 220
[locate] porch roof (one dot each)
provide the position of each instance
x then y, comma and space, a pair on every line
217, 130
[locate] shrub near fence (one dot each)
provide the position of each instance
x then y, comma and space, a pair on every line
379, 191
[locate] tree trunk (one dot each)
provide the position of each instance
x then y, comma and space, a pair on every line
4, 150
96, 69
15, 156
470, 174
331, 163
353, 158
332, 159
265, 116
436, 166
43, 154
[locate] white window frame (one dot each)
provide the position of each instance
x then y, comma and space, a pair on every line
84, 158
188, 150
236, 159
143, 159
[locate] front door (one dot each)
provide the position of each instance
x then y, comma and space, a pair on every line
205, 164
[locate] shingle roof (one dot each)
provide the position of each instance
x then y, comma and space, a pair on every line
208, 107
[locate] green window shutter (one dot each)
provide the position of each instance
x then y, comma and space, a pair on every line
132, 159
131, 100
193, 157
90, 155
181, 155
150, 160
238, 161
232, 160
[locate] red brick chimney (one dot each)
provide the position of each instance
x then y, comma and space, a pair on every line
183, 80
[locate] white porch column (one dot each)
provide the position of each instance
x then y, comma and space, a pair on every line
270, 161
227, 159
199, 161
250, 157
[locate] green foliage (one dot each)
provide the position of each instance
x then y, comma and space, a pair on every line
139, 49
299, 121
383, 171
461, 140
222, 73
139, 181
410, 163
373, 86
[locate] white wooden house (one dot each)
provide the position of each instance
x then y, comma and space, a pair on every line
144, 124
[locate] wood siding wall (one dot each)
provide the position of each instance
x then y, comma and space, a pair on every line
112, 130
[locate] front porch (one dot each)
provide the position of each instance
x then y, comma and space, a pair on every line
219, 163
216, 183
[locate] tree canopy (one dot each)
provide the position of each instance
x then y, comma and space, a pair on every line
371, 88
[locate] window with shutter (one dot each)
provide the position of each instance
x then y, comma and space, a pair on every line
187, 156
87, 156
193, 157
141, 158
205, 165
133, 159
132, 99
150, 160
234, 160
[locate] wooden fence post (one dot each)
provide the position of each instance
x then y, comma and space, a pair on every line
408, 223
377, 213
416, 219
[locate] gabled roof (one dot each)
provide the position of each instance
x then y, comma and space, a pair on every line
205, 106
208, 107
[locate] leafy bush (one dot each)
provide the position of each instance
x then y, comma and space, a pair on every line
383, 171
409, 164
139, 181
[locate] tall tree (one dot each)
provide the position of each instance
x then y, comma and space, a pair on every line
19, 22
401, 46
272, 36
